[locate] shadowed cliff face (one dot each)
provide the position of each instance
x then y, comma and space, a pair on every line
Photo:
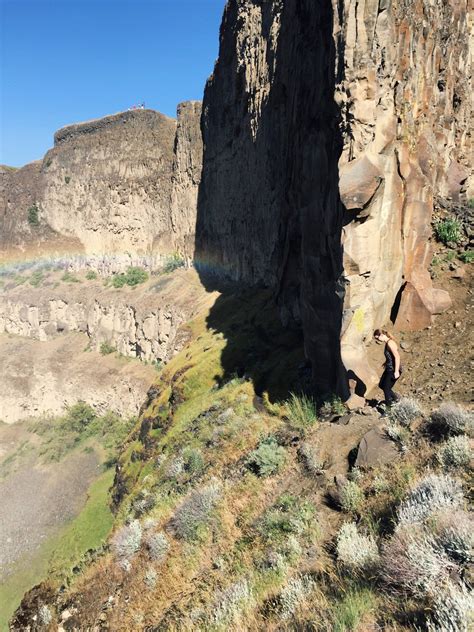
269, 210
312, 103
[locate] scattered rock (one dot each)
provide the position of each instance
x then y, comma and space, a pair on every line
375, 448
459, 273
355, 402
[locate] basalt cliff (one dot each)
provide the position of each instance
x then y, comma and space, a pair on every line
329, 130
124, 186
246, 495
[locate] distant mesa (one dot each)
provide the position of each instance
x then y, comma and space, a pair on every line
124, 183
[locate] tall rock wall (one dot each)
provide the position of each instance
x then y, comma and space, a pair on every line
328, 129
125, 184
108, 182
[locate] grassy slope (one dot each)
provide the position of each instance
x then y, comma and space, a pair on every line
256, 517
60, 553
237, 569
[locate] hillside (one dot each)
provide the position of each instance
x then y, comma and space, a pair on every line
227, 486
187, 317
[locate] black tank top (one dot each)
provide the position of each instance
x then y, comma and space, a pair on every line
390, 360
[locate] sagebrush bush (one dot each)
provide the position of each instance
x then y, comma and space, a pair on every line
175, 467
91, 275
413, 562
311, 459
229, 603
396, 432
44, 615
195, 511
158, 546
455, 452
351, 496
145, 501
301, 411
295, 594
151, 577
125, 564
453, 419
453, 610
454, 532
267, 459
356, 552
127, 540
405, 411
431, 494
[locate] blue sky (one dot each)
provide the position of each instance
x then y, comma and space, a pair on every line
65, 61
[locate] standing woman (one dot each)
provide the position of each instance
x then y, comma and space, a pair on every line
392, 365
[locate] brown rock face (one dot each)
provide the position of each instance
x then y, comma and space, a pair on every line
126, 183
328, 128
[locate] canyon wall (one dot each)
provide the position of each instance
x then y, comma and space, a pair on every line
125, 184
145, 323
328, 130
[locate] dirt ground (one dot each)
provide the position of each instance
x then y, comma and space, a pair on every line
45, 377
438, 361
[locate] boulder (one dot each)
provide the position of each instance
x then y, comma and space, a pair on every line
375, 448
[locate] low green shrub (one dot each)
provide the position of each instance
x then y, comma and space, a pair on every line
132, 277
69, 277
448, 231
173, 262
79, 416
106, 348
332, 405
36, 278
33, 215
267, 458
288, 516
91, 275
467, 256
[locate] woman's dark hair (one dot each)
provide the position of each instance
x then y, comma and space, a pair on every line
379, 332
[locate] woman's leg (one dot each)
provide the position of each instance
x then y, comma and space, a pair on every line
386, 383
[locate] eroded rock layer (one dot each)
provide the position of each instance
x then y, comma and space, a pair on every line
144, 324
328, 129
